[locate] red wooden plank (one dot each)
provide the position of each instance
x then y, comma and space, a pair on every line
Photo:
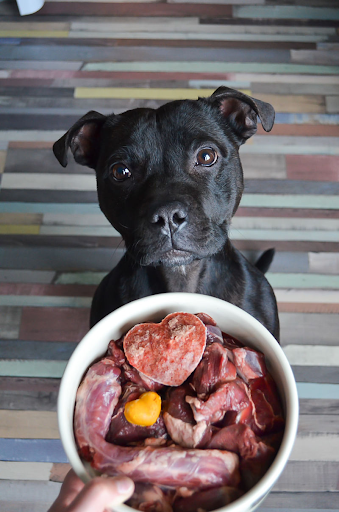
135, 9
312, 167
54, 324
287, 212
300, 307
54, 290
302, 130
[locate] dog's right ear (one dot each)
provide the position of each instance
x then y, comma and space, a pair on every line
83, 139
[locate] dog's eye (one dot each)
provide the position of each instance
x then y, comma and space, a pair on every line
206, 157
120, 172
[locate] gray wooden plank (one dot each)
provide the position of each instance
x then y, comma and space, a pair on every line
72, 65
264, 186
332, 104
40, 160
62, 259
318, 424
300, 88
48, 196
302, 500
309, 329
326, 374
141, 54
58, 351
318, 406
26, 276
305, 477
264, 166
30, 491
10, 318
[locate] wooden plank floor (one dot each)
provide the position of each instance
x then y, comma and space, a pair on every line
72, 57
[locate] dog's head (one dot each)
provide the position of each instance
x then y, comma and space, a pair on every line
169, 180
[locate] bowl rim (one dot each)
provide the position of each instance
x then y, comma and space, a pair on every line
252, 498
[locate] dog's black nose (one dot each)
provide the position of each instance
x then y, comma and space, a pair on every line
170, 217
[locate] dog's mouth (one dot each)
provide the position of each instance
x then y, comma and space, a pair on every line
170, 258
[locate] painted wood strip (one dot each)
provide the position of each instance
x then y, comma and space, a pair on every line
36, 350
290, 201
312, 281
71, 256
38, 181
54, 324
286, 234
55, 208
310, 296
316, 447
80, 278
318, 406
296, 223
25, 470
58, 472
28, 425
32, 450
312, 501
20, 218
66, 219
286, 12
316, 477
79, 231
22, 288
183, 36
34, 33
33, 491
317, 391
268, 148
313, 423
10, 320
32, 368
332, 104
30, 135
312, 355
286, 212
211, 67
309, 329
153, 93
45, 301
29, 394
305, 167
324, 262
19, 230
314, 57
297, 307
322, 374
26, 276
2, 161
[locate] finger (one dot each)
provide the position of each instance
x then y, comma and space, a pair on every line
102, 493
70, 488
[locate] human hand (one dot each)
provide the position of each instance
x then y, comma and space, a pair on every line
98, 495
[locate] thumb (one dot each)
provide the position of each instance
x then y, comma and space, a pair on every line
102, 493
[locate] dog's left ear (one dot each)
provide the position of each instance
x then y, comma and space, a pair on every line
241, 112
83, 139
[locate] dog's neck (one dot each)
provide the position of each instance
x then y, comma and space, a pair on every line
183, 278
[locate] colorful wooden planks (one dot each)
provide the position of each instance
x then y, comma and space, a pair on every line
56, 245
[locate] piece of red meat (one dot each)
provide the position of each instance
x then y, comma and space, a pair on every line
267, 414
123, 432
250, 364
231, 396
206, 319
165, 466
176, 405
214, 369
212, 499
188, 435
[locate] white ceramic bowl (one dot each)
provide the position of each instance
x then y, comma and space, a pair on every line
154, 308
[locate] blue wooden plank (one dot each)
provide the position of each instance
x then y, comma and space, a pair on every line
314, 390
57, 351
32, 450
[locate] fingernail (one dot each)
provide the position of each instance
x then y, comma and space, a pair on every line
124, 485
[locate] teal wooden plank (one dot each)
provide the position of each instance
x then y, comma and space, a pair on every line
286, 12
72, 208
45, 301
211, 67
32, 368
315, 390
294, 280
56, 350
80, 278
290, 201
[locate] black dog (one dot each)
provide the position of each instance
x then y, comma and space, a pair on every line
170, 180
